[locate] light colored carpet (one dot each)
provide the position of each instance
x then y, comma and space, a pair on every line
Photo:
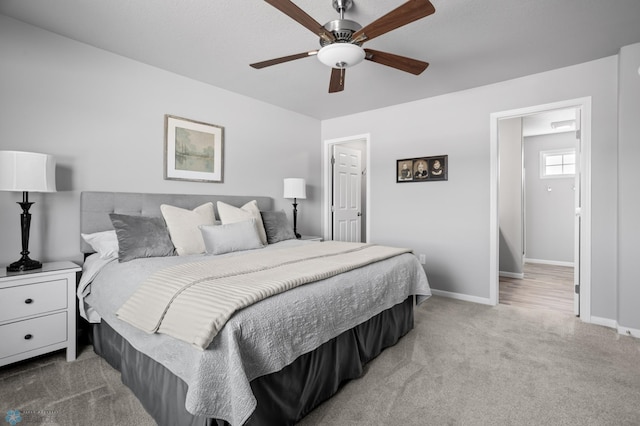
470, 364
50, 391
463, 364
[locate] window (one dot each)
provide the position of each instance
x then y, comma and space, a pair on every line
557, 163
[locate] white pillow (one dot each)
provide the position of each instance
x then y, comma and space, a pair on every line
104, 243
220, 239
230, 214
183, 226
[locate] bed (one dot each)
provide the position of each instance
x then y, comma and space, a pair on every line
272, 361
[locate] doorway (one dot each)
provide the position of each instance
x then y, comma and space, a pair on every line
537, 199
582, 213
345, 207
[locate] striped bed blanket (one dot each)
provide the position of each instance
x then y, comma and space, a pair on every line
193, 301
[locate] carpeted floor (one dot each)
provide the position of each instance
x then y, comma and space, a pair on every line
463, 364
50, 391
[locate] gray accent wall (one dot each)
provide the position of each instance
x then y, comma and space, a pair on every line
102, 117
510, 196
550, 203
629, 190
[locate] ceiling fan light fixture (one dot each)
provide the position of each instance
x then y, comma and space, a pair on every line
341, 55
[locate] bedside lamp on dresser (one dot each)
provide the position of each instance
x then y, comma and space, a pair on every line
37, 300
26, 172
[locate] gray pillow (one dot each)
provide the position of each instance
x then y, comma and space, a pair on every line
220, 239
141, 236
277, 226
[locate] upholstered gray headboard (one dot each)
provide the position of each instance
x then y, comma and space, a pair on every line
96, 206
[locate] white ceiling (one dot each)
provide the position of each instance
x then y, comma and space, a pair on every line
540, 123
468, 43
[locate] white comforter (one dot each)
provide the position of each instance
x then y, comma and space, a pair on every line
257, 340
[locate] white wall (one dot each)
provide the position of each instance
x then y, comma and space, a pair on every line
510, 209
550, 203
449, 221
629, 193
102, 117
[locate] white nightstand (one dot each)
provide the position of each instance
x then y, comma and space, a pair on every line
38, 311
311, 238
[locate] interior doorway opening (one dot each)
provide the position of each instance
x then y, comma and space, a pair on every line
581, 217
537, 202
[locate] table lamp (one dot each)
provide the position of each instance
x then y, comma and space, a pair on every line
26, 172
295, 188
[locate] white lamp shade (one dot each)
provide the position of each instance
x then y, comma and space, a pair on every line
27, 171
295, 188
341, 55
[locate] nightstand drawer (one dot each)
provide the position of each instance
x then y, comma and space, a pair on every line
32, 299
28, 335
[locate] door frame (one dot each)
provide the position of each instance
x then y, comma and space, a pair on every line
584, 105
327, 148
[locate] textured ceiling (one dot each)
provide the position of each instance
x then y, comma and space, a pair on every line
468, 43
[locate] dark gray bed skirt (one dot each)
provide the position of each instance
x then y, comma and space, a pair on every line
284, 397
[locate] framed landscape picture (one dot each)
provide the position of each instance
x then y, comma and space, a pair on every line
193, 150
422, 169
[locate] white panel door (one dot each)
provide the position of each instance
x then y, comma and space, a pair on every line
346, 203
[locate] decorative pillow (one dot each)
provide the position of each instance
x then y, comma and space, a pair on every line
140, 236
104, 243
220, 239
183, 226
277, 226
230, 214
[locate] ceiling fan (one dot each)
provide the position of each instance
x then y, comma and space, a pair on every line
341, 39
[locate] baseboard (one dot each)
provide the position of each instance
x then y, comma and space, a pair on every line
511, 274
626, 331
548, 262
607, 322
460, 296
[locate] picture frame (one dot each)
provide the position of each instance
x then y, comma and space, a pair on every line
422, 169
438, 167
193, 150
404, 170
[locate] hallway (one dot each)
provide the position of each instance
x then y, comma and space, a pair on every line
543, 287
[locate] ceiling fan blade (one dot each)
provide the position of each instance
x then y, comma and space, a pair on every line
401, 63
336, 84
276, 61
300, 16
403, 15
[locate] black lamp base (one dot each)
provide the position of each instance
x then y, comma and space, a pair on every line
24, 264
295, 219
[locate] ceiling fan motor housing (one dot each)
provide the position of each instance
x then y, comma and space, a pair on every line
342, 30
